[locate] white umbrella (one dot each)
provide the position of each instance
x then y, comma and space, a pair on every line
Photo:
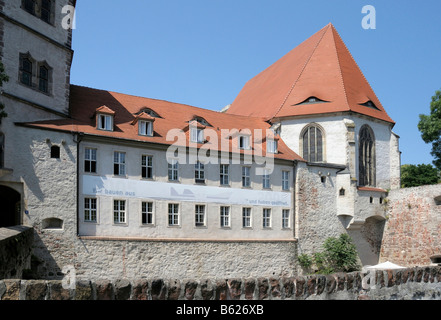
386, 266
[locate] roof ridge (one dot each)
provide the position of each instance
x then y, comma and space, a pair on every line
325, 29
359, 69
339, 66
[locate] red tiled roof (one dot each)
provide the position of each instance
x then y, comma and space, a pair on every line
84, 103
320, 67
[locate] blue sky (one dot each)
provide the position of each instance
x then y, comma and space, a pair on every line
202, 52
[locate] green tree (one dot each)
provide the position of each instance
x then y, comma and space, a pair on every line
430, 127
418, 175
339, 255
3, 78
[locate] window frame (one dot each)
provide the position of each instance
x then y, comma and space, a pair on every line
147, 167
286, 220
119, 213
199, 172
272, 146
266, 179
91, 160
146, 214
145, 128
225, 217
247, 218
286, 184
173, 218
197, 135
244, 142
88, 211
200, 215
318, 148
246, 177
105, 122
266, 218
117, 163
173, 170
224, 175
366, 157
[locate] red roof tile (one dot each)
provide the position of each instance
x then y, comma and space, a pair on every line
84, 103
320, 67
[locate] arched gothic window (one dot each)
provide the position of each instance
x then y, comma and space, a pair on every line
312, 140
366, 154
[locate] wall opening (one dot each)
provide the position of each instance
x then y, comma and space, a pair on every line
438, 201
10, 207
52, 223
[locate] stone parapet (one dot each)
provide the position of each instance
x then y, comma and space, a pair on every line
419, 283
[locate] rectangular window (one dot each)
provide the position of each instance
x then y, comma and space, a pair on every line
266, 179
197, 135
46, 10
29, 6
119, 211
246, 217
246, 179
266, 218
199, 172
173, 167
271, 146
285, 218
26, 71
147, 167
43, 79
173, 214
285, 180
147, 212
224, 174
145, 128
90, 160
224, 217
119, 163
105, 122
200, 215
90, 210
244, 142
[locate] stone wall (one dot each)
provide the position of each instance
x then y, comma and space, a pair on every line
167, 259
406, 284
15, 251
412, 234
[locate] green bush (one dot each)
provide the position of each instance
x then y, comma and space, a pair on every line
339, 255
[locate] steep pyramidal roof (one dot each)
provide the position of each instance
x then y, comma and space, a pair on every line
322, 68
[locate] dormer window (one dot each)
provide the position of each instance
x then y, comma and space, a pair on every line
145, 128
370, 104
271, 146
311, 100
197, 135
104, 118
105, 122
244, 142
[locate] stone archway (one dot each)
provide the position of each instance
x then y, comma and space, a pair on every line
10, 207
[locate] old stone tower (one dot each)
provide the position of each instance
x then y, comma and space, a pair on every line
37, 55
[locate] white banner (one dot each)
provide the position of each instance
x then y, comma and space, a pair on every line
126, 188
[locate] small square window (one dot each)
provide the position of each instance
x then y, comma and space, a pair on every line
145, 128
105, 122
197, 135
244, 142
55, 152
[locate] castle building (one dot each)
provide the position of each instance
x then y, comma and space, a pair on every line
119, 185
